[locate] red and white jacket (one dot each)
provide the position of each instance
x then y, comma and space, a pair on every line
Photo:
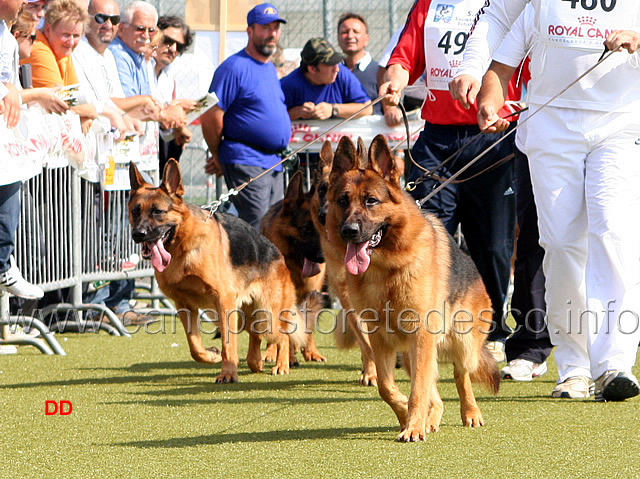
433, 42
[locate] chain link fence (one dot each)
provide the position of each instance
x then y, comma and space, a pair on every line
305, 19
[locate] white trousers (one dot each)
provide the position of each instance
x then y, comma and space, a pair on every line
585, 172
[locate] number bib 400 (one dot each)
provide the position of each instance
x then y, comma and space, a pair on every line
584, 24
446, 31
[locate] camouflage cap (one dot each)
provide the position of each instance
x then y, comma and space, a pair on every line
319, 50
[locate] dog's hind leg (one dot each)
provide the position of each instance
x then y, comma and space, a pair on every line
387, 388
270, 353
469, 410
232, 321
191, 324
254, 359
283, 357
436, 410
369, 376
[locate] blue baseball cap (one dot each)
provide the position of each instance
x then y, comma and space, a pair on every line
264, 14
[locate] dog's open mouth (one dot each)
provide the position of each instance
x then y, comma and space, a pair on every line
358, 256
156, 252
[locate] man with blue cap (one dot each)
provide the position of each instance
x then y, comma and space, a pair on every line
249, 128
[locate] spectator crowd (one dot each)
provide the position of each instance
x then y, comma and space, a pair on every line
575, 244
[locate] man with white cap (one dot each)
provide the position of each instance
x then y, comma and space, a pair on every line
249, 128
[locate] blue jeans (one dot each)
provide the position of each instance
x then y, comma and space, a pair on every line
115, 295
254, 201
9, 217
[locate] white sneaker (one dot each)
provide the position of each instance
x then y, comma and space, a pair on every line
496, 348
576, 387
523, 370
17, 330
615, 385
13, 282
8, 349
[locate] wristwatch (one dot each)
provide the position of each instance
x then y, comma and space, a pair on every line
334, 111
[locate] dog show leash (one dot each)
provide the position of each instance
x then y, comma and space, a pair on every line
214, 205
607, 53
431, 173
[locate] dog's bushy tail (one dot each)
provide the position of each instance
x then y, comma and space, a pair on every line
487, 372
343, 334
305, 318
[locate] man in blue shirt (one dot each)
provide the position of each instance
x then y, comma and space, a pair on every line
137, 27
249, 127
323, 87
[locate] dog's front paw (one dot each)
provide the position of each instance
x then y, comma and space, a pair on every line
472, 418
368, 379
227, 377
410, 434
280, 369
369, 376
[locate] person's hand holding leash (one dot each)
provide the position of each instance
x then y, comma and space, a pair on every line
623, 40
213, 166
396, 79
464, 88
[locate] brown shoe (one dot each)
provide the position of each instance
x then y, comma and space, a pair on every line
133, 318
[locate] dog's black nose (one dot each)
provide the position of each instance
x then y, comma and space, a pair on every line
138, 235
322, 216
350, 231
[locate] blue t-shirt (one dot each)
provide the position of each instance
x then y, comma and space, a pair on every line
249, 93
346, 89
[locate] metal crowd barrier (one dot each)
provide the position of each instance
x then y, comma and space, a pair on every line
71, 232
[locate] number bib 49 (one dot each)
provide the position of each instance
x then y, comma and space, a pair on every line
446, 31
584, 24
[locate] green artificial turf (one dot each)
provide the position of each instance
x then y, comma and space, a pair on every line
143, 409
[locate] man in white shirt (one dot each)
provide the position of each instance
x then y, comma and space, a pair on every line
97, 72
11, 279
582, 147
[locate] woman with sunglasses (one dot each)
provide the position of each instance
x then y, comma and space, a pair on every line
24, 31
175, 38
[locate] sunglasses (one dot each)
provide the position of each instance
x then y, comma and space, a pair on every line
142, 29
32, 38
101, 18
168, 41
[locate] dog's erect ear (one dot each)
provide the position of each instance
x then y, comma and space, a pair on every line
345, 159
381, 160
135, 178
172, 179
326, 156
362, 154
294, 197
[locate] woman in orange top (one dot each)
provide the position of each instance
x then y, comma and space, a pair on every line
51, 63
51, 54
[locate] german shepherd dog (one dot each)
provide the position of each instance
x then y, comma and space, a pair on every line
217, 263
349, 332
415, 289
288, 226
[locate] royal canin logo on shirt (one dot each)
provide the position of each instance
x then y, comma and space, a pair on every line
586, 29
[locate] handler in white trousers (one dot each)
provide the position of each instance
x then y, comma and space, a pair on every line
584, 156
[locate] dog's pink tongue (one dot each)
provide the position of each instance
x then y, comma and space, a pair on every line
160, 257
309, 268
357, 260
